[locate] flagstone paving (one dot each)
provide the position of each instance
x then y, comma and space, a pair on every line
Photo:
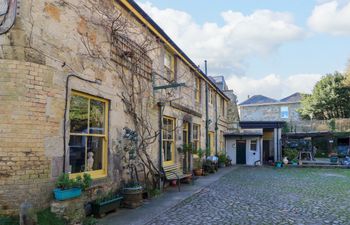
253, 195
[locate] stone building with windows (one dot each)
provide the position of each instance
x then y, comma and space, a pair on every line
74, 75
262, 108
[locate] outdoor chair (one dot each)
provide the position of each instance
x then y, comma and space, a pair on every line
175, 172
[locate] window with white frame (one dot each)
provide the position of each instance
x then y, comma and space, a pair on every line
284, 112
253, 145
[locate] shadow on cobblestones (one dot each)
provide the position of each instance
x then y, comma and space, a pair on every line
265, 195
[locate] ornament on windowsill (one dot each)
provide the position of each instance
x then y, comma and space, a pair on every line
90, 161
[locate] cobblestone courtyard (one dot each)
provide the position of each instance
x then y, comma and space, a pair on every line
268, 196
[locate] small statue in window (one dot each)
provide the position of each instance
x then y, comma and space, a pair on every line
90, 161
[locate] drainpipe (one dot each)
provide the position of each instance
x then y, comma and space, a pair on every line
65, 112
160, 105
206, 110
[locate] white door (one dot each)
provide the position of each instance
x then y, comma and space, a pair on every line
231, 149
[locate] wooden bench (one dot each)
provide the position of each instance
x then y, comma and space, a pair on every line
174, 172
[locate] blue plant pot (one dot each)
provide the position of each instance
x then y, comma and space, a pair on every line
62, 195
278, 165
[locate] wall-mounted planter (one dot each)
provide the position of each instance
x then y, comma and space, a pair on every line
99, 209
62, 195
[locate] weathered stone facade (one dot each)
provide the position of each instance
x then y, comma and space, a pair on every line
269, 112
52, 39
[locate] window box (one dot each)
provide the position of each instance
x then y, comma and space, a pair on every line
101, 207
62, 195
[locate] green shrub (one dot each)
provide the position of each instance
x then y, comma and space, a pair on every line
197, 164
290, 153
64, 182
46, 217
5, 220
222, 158
90, 221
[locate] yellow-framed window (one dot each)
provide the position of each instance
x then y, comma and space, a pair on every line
196, 136
169, 65
197, 91
185, 132
168, 141
88, 135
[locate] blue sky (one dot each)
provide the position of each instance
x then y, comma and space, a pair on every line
276, 48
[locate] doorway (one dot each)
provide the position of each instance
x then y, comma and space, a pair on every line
241, 152
186, 141
266, 150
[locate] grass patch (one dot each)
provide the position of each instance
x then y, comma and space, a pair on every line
4, 220
46, 217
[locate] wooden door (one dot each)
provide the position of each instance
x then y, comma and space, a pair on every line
241, 152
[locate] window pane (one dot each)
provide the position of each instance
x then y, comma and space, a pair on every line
167, 150
97, 116
78, 114
195, 132
77, 153
253, 145
284, 112
94, 153
167, 60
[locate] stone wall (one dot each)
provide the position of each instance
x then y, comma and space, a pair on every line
45, 45
268, 112
341, 125
31, 111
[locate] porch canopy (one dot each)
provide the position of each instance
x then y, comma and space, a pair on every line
261, 124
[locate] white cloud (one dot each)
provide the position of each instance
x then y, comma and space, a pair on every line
273, 86
331, 17
226, 47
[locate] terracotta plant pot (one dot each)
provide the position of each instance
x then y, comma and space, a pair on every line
173, 183
198, 172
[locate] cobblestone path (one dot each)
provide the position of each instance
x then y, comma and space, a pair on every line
250, 195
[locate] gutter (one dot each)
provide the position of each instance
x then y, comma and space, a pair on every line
144, 18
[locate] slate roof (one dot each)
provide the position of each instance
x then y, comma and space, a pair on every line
261, 99
296, 97
258, 99
166, 37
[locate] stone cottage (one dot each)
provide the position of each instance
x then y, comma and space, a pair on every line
74, 75
262, 108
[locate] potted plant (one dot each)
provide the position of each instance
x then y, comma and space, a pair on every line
294, 162
333, 157
290, 155
68, 188
222, 160
279, 164
132, 193
105, 204
197, 169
